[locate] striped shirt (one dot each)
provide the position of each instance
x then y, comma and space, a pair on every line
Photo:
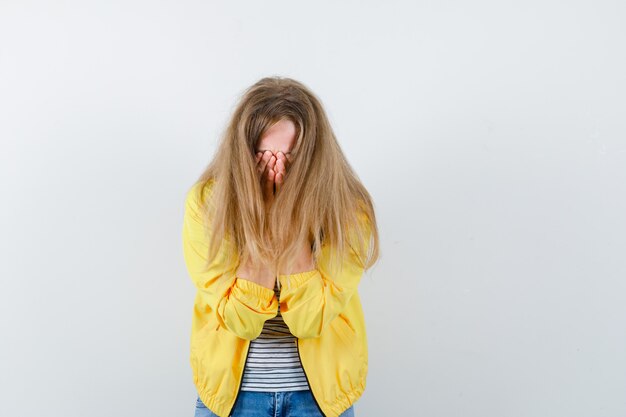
273, 363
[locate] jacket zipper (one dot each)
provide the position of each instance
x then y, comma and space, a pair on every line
240, 379
307, 378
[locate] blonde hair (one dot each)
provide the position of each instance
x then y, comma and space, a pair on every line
321, 198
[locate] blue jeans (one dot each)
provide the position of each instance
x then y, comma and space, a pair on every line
270, 404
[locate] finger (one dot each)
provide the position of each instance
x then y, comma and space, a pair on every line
257, 157
279, 181
267, 155
269, 167
269, 184
272, 163
281, 156
285, 161
280, 166
269, 177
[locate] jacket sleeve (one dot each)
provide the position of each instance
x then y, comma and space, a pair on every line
240, 306
310, 300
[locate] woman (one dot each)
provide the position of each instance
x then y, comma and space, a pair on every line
277, 234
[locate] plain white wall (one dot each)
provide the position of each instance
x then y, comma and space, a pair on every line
491, 135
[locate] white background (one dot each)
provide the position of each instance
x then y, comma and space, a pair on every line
491, 135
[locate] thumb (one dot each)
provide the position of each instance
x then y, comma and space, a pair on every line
279, 181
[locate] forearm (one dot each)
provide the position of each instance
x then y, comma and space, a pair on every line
303, 261
238, 305
310, 300
257, 273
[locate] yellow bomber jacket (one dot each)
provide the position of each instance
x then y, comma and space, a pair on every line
323, 312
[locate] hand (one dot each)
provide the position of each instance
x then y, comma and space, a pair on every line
273, 169
282, 162
265, 167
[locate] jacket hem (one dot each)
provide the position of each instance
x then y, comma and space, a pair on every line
341, 404
217, 407
335, 409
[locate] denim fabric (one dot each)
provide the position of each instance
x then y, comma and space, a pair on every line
271, 404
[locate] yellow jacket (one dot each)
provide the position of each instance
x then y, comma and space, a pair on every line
323, 313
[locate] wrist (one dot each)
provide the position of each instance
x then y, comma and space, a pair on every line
305, 261
257, 274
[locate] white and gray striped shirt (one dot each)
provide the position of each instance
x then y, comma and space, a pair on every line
273, 363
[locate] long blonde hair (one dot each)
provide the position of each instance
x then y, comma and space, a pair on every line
321, 199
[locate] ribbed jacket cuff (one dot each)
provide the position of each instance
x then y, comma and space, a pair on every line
255, 295
297, 279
